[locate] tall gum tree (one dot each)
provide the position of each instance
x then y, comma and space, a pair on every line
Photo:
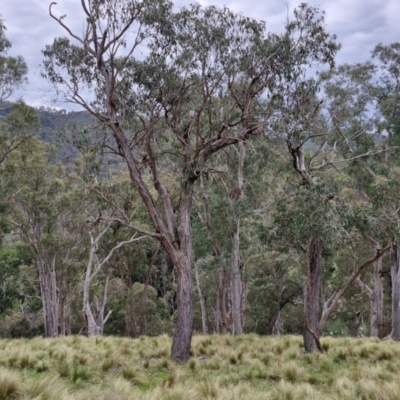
40, 211
387, 92
355, 119
364, 98
332, 145
163, 111
13, 70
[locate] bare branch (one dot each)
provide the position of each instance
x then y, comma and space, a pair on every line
329, 311
59, 20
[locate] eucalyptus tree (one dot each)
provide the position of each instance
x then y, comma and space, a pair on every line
351, 105
387, 89
229, 220
22, 121
317, 221
16, 129
13, 70
166, 111
41, 210
15, 134
96, 262
275, 283
340, 131
364, 107
387, 92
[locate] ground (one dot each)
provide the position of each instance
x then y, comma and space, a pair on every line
221, 367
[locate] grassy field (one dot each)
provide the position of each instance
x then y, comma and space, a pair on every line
222, 367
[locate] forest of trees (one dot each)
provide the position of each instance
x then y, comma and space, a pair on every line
217, 185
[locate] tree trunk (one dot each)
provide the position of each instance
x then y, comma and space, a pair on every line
331, 304
314, 262
243, 302
377, 299
234, 197
130, 323
48, 290
180, 350
202, 303
91, 324
223, 301
67, 316
219, 311
395, 274
236, 284
375, 296
356, 324
100, 310
62, 315
65, 313
278, 327
174, 233
143, 305
270, 323
274, 322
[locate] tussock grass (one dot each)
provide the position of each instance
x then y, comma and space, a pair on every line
10, 387
222, 367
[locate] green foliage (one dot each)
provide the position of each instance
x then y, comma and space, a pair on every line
315, 211
13, 70
10, 260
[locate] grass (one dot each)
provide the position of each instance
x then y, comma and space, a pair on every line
221, 367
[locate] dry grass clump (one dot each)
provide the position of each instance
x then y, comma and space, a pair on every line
222, 367
47, 388
10, 385
293, 372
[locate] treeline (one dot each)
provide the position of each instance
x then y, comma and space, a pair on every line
57, 127
214, 187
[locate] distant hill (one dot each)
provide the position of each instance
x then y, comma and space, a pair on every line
57, 127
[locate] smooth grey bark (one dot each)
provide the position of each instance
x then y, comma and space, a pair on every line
48, 292
46, 264
46, 261
236, 284
94, 312
278, 326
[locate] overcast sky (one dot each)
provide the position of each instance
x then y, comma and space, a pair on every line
359, 25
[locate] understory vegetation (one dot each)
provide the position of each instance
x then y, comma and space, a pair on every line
221, 367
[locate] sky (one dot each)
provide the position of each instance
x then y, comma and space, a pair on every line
358, 24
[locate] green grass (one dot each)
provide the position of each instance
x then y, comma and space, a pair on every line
221, 367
